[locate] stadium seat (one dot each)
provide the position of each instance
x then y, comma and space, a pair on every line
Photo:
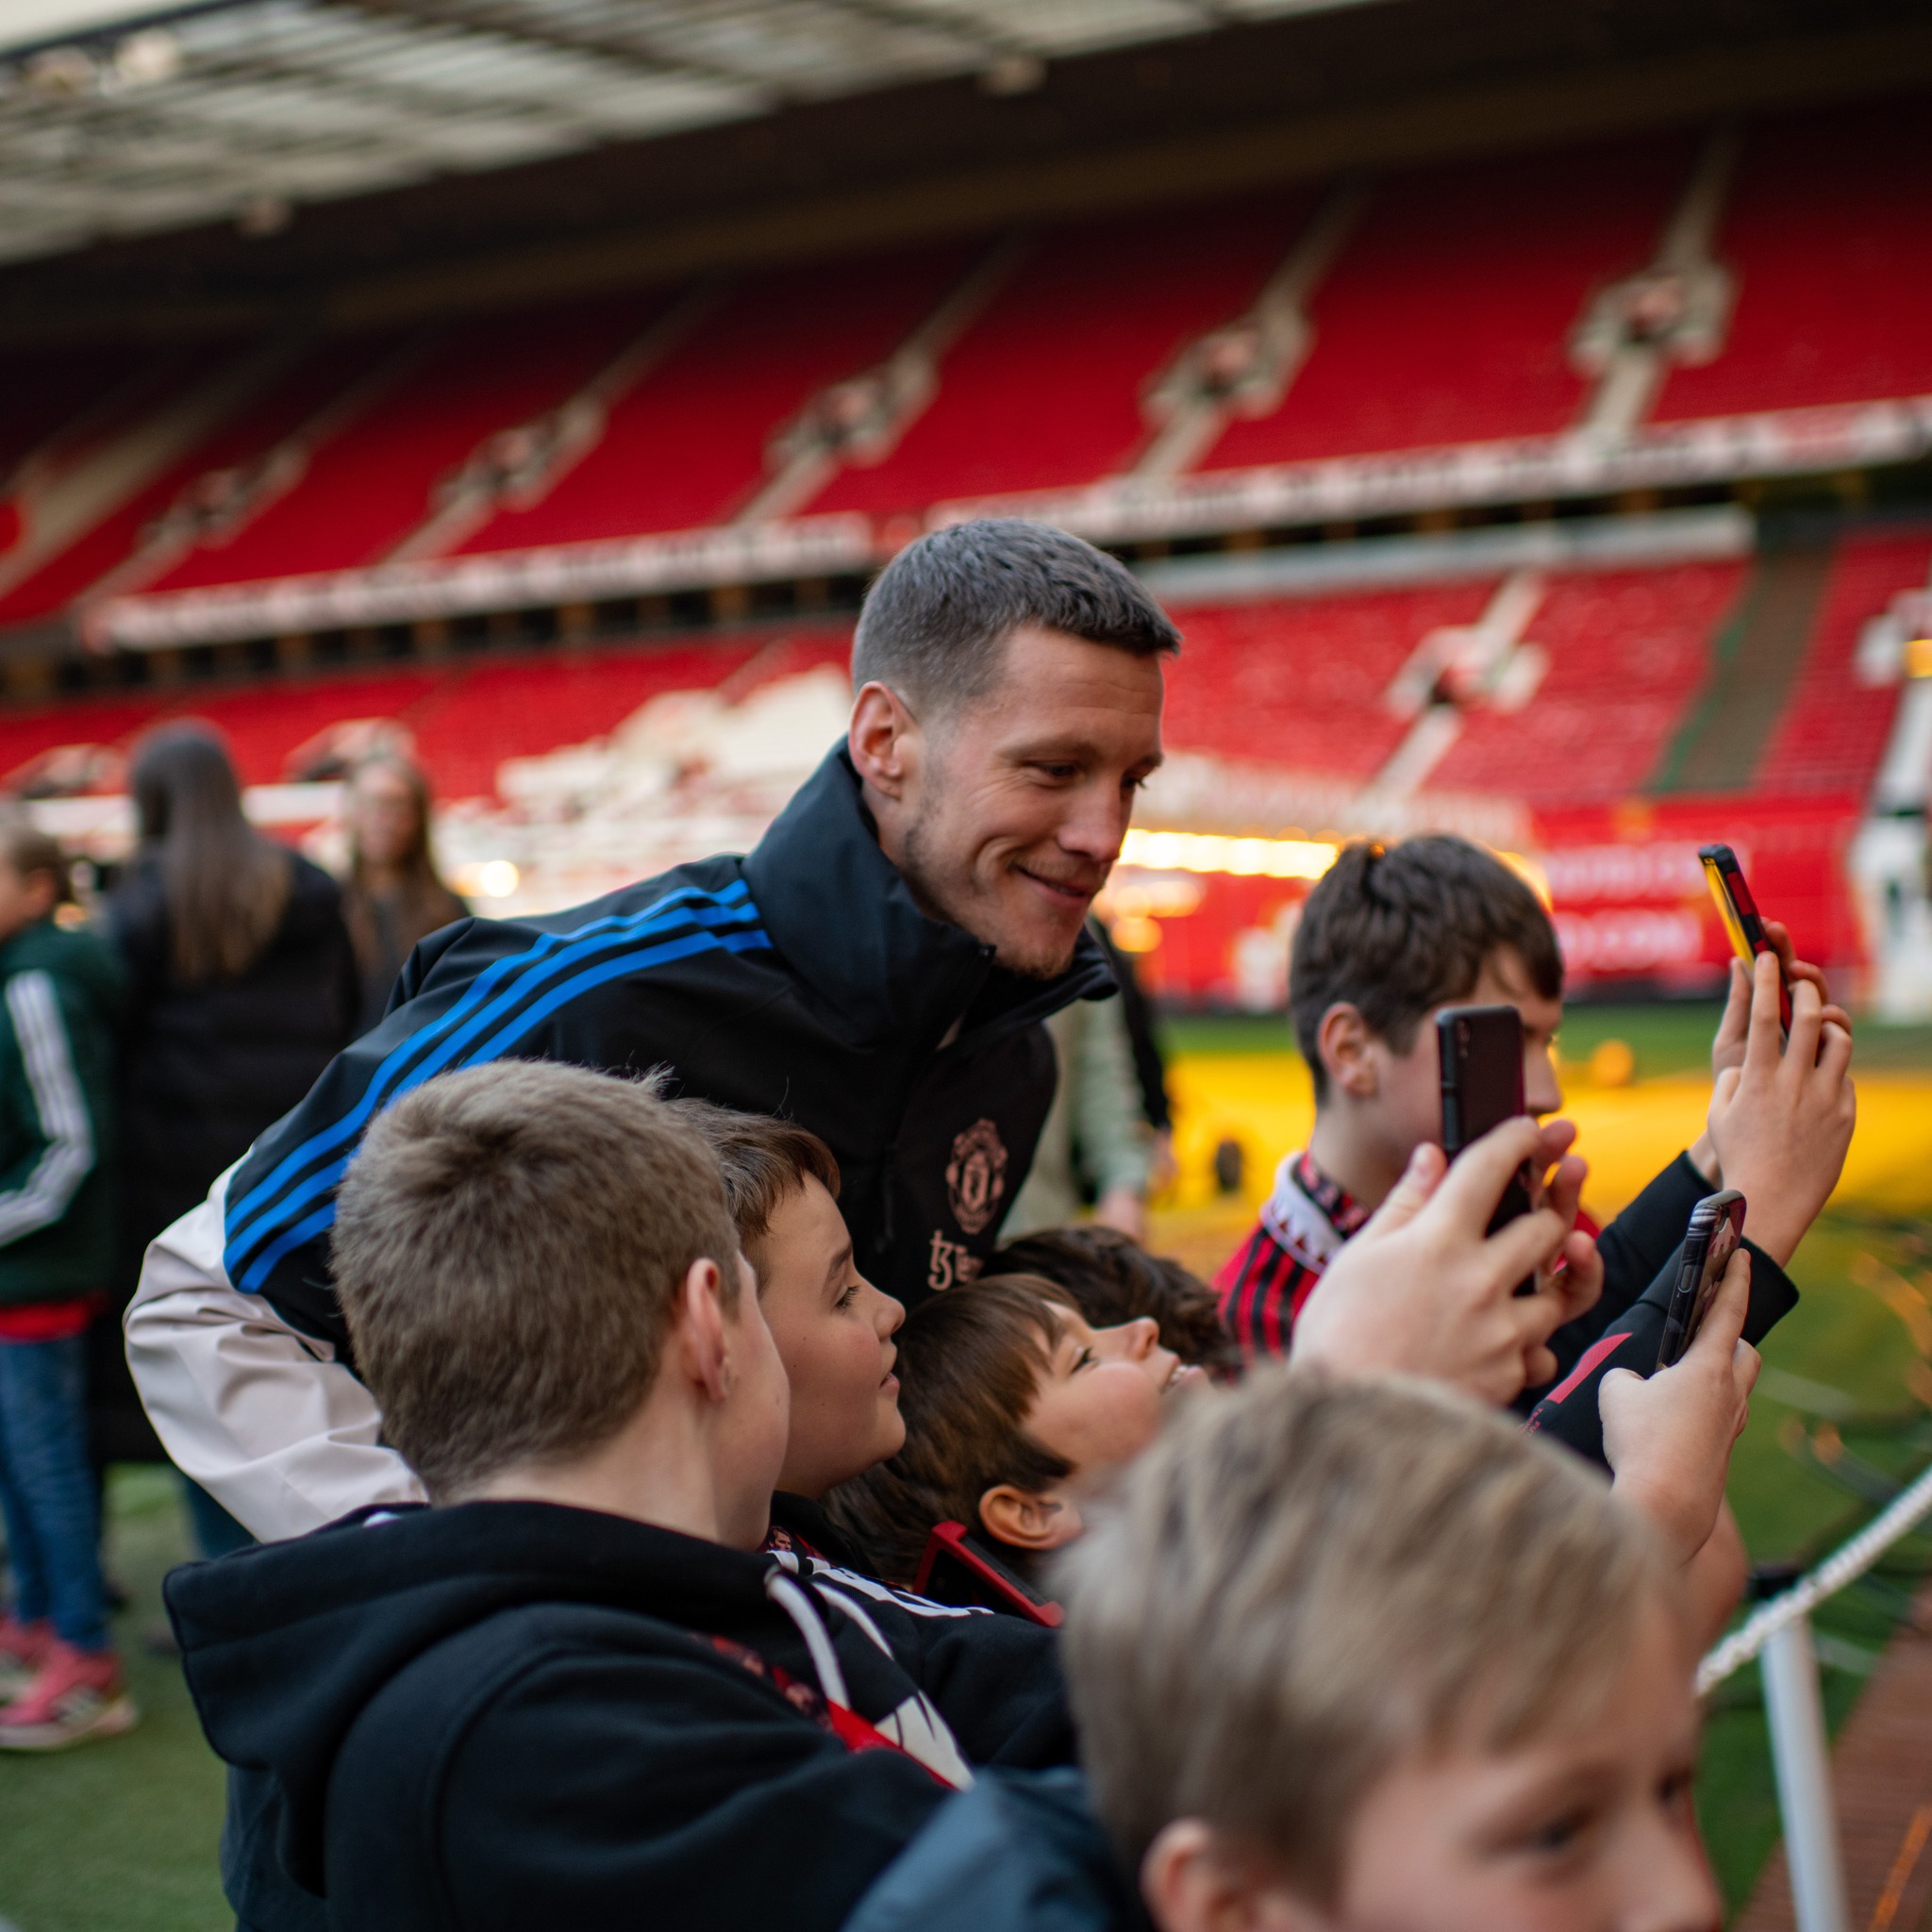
1825, 233
1627, 652
685, 446
1833, 731
1043, 391
430, 402
1300, 682
1446, 318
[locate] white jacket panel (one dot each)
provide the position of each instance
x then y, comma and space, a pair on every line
261, 1416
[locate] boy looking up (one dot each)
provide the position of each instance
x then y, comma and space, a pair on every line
574, 1691
1388, 937
60, 1001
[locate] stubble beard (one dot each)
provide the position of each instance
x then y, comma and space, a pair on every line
928, 889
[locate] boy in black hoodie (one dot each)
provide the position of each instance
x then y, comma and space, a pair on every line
576, 1691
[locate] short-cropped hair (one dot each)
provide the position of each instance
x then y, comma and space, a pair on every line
1112, 1279
764, 1160
971, 1362
1303, 1582
509, 1246
936, 621
1395, 930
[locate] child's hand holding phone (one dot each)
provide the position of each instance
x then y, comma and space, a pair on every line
1781, 1120
1426, 1289
1668, 1438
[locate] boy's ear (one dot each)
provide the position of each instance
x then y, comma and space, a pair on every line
1343, 1040
702, 1332
1029, 1519
1195, 1879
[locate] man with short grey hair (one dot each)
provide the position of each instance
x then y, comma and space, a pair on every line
877, 970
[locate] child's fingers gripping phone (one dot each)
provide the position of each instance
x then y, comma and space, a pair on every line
1717, 1226
1742, 924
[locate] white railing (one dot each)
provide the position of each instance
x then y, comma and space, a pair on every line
1780, 1633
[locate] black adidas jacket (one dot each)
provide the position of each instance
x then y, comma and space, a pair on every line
802, 980
514, 1714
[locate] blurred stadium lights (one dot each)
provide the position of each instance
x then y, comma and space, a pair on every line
122, 120
1277, 858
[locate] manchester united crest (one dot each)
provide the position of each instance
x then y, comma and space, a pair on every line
976, 1176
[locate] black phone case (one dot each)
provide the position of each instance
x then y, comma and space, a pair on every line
1480, 1051
1707, 1220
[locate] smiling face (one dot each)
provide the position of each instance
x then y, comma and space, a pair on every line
834, 1334
1586, 1831
1102, 1394
1006, 814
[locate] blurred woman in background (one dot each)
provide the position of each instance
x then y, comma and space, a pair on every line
241, 988
393, 896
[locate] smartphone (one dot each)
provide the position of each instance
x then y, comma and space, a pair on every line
1481, 1054
957, 1568
1738, 911
1717, 1225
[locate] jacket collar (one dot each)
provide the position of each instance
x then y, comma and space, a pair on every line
845, 920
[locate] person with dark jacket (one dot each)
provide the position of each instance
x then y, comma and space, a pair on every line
60, 1002
243, 987
576, 1691
394, 895
876, 970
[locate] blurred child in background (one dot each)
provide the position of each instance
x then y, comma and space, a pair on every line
62, 993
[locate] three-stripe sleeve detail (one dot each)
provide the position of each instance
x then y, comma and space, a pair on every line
68, 1157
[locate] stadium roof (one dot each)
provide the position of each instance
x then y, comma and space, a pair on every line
118, 120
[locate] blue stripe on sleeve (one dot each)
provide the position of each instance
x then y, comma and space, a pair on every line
264, 1213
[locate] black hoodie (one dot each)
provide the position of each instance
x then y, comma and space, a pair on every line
514, 1714
802, 980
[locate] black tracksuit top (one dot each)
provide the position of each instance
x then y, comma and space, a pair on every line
516, 1714
802, 980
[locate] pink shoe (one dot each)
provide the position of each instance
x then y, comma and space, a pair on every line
77, 1694
22, 1651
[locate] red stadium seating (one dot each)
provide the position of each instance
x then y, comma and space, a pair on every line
29, 732
1043, 391
1446, 318
1300, 681
372, 482
1627, 652
1833, 732
1826, 233
686, 447
254, 430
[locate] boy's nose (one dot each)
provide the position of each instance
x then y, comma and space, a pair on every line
1542, 1091
1141, 1337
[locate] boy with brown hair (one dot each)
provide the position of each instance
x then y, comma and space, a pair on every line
1392, 934
576, 1690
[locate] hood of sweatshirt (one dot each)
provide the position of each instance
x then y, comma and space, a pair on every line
843, 915
286, 1644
